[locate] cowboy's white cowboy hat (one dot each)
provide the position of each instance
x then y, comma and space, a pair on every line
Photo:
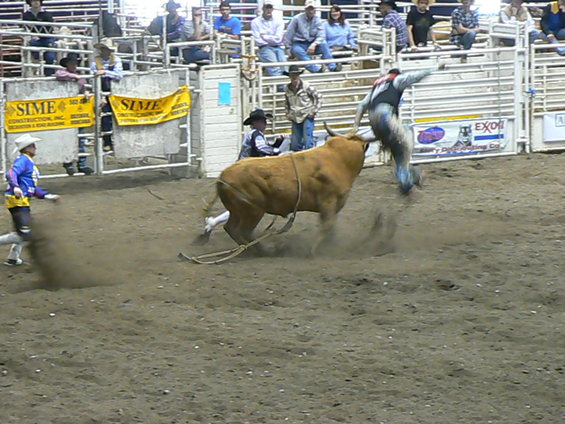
23, 141
105, 43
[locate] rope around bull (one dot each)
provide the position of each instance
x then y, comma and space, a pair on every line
226, 255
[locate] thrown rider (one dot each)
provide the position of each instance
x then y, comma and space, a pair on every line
382, 102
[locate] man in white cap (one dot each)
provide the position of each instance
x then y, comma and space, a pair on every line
306, 35
109, 67
22, 185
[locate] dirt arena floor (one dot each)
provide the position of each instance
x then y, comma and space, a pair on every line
460, 319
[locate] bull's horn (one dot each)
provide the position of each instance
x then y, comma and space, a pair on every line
332, 132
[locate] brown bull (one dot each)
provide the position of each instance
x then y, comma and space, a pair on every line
315, 180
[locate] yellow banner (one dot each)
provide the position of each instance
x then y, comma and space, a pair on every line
49, 114
133, 111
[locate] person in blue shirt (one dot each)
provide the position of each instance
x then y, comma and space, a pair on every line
339, 34
22, 186
226, 24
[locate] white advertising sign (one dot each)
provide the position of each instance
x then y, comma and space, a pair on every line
554, 126
454, 138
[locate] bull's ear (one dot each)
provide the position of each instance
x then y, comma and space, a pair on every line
332, 132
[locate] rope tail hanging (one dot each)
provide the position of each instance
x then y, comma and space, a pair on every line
226, 255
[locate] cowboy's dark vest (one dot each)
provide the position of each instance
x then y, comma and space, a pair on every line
249, 148
387, 93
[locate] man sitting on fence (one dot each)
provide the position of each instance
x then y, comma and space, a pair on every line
553, 23
268, 33
196, 30
305, 36
392, 19
36, 13
109, 67
420, 21
227, 24
516, 12
464, 26
174, 23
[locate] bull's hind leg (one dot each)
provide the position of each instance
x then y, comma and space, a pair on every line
328, 217
248, 223
232, 228
240, 227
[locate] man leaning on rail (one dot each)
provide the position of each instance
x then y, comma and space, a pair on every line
382, 102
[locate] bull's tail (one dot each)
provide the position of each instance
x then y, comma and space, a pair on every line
209, 203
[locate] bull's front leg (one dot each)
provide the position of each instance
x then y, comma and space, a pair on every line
327, 228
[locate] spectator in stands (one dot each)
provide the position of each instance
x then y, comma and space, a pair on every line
109, 68
392, 19
268, 33
302, 103
174, 23
227, 24
37, 13
22, 186
196, 30
69, 73
464, 26
306, 36
420, 22
515, 12
339, 34
553, 23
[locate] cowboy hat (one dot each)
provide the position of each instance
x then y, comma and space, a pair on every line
256, 115
293, 70
71, 57
24, 141
430, 2
390, 3
171, 4
105, 43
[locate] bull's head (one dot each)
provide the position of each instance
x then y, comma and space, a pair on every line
348, 135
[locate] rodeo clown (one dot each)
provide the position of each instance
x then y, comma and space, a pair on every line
22, 185
383, 102
254, 145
